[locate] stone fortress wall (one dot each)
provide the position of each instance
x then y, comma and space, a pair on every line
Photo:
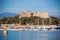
29, 14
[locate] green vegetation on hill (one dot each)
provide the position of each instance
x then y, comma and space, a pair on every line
29, 20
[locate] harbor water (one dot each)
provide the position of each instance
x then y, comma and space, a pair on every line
18, 34
30, 35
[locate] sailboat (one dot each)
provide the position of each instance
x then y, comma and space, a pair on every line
45, 27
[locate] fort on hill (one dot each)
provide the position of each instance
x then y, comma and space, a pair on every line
37, 14
30, 18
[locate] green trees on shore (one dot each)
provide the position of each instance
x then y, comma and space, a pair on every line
29, 20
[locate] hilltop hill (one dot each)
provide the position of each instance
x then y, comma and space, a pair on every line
7, 14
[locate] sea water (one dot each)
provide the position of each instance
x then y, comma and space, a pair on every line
30, 35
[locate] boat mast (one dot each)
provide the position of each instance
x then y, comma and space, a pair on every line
50, 20
19, 19
38, 21
42, 21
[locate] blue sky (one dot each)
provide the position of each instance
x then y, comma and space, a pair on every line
16, 6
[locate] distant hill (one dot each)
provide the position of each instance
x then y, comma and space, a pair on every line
7, 14
57, 16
